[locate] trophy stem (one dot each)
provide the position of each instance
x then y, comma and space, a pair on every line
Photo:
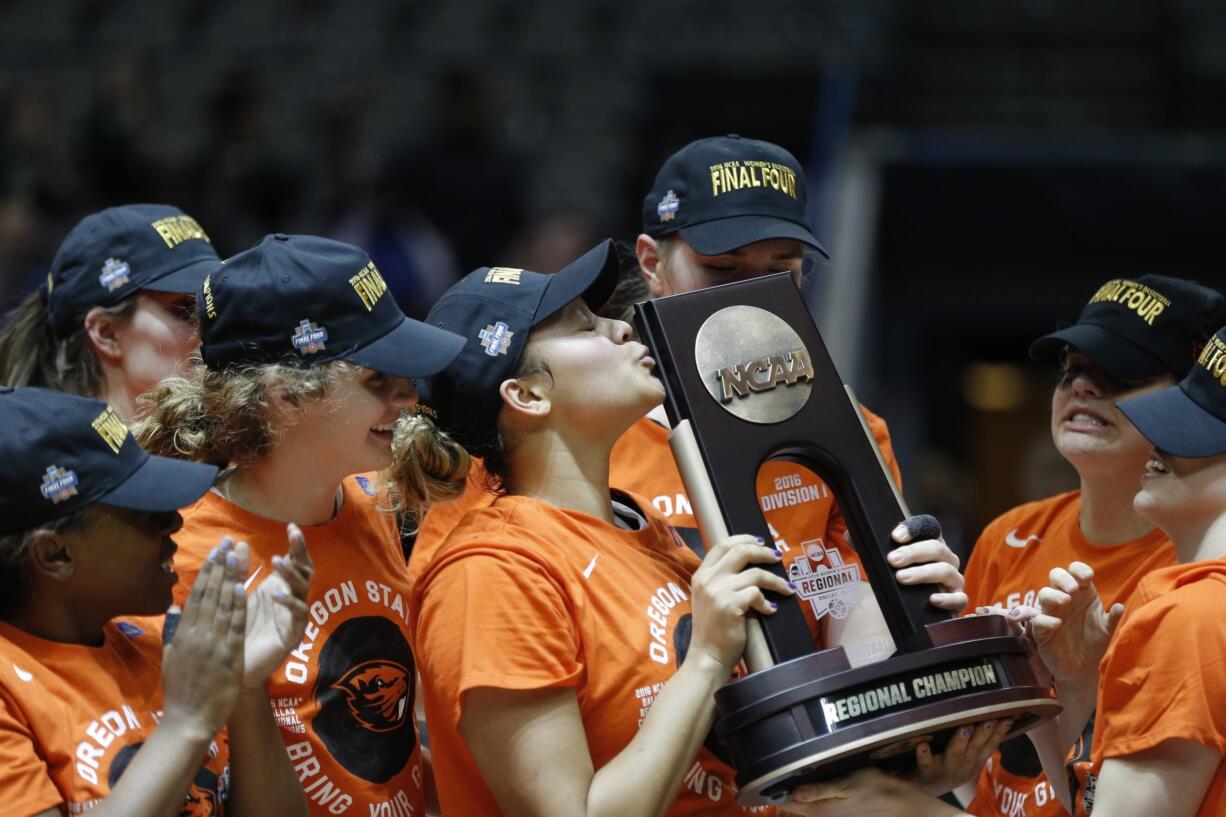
711, 526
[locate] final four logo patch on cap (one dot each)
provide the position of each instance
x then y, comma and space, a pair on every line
59, 484
114, 274
667, 208
496, 338
309, 338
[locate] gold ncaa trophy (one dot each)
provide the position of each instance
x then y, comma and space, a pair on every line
748, 380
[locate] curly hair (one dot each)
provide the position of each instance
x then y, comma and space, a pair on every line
225, 418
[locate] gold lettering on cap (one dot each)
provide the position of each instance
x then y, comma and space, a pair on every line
503, 275
210, 310
174, 230
1213, 359
764, 374
740, 175
1145, 302
111, 429
369, 285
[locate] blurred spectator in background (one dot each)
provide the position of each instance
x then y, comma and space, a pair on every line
116, 145
248, 187
21, 267
34, 159
551, 242
415, 259
462, 178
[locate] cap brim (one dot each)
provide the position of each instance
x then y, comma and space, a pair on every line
1175, 424
186, 280
591, 276
411, 349
162, 484
728, 234
1110, 351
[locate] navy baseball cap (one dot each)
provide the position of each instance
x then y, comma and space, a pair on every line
1188, 420
112, 254
301, 300
494, 309
724, 192
1142, 328
60, 452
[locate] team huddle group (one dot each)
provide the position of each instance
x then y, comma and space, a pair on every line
212, 600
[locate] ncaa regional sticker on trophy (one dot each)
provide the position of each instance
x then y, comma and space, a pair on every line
750, 385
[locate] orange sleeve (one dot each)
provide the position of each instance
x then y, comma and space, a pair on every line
1164, 676
881, 433
974, 574
836, 526
25, 782
496, 618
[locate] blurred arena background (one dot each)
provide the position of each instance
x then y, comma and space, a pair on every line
975, 167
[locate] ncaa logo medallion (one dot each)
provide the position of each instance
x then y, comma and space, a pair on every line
309, 338
496, 338
824, 581
114, 274
59, 484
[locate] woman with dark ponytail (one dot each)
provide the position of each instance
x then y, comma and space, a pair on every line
303, 380
114, 316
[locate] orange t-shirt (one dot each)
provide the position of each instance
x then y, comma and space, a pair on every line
72, 717
525, 595
343, 699
1008, 566
799, 508
1164, 674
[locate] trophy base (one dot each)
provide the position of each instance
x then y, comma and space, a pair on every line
814, 718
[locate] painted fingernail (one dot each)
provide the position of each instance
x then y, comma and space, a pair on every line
989, 727
1006, 726
1015, 612
773, 605
792, 585
966, 731
280, 595
760, 540
213, 555
778, 552
231, 560
238, 590
226, 544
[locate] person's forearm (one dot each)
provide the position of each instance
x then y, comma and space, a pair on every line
644, 778
1052, 750
263, 781
1078, 697
155, 782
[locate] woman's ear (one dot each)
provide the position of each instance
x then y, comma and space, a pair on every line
525, 396
101, 331
51, 555
647, 251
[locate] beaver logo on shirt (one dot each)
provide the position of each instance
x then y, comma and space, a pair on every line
365, 691
378, 694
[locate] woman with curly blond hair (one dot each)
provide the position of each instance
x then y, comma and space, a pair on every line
300, 394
